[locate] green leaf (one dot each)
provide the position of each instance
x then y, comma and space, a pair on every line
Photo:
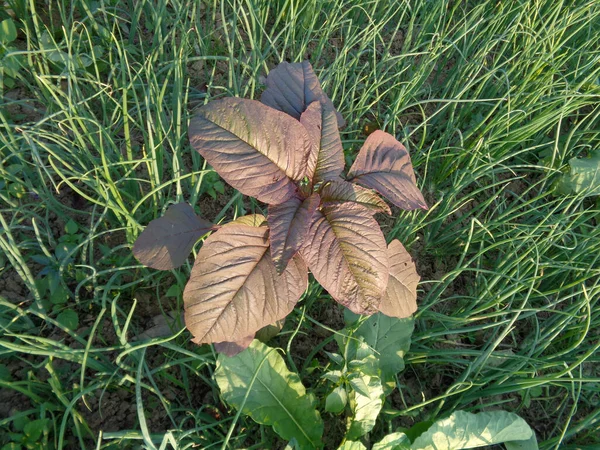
257, 382
529, 444
34, 429
59, 296
173, 291
4, 373
366, 407
333, 375
8, 31
337, 359
467, 430
584, 176
336, 401
68, 319
389, 337
352, 445
71, 227
393, 441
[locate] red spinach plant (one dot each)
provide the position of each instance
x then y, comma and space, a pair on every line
286, 152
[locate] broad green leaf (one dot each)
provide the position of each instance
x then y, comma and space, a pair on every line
268, 332
71, 227
259, 151
336, 401
352, 445
34, 429
8, 31
339, 191
288, 224
366, 408
167, 241
234, 289
258, 383
393, 441
400, 298
291, 88
68, 319
389, 337
584, 176
529, 444
327, 157
333, 375
383, 164
466, 430
346, 252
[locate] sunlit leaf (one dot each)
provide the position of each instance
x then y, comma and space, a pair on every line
289, 224
336, 401
389, 337
466, 430
393, 441
340, 191
352, 445
234, 289
327, 158
291, 88
400, 298
167, 241
383, 164
346, 252
258, 383
584, 176
367, 401
256, 149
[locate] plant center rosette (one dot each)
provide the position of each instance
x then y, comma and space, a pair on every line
286, 151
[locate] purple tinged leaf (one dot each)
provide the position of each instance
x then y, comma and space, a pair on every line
346, 252
167, 241
259, 151
234, 289
289, 224
400, 298
383, 164
292, 87
233, 348
337, 192
326, 161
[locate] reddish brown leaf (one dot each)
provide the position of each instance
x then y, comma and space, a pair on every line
346, 252
383, 164
167, 241
256, 149
337, 192
400, 298
233, 348
234, 289
289, 224
292, 87
327, 158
